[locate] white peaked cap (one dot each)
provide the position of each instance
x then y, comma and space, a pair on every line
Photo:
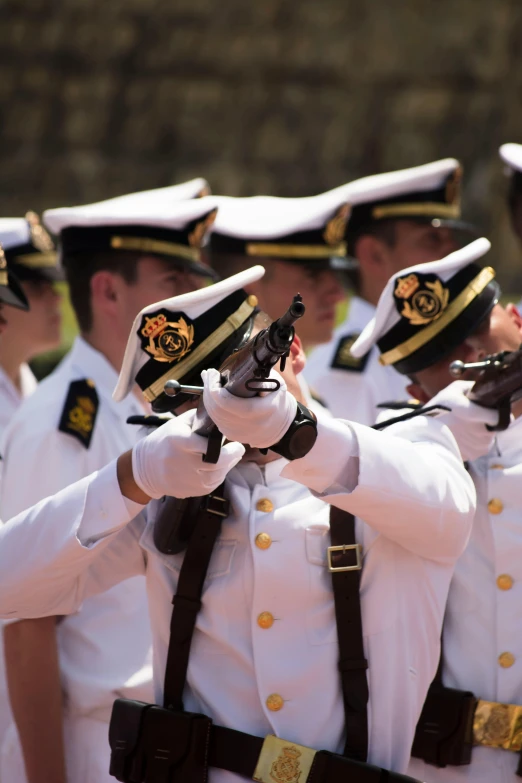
271, 217
14, 232
429, 176
387, 315
511, 154
147, 210
391, 184
192, 305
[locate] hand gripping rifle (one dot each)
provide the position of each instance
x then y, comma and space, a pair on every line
245, 373
498, 382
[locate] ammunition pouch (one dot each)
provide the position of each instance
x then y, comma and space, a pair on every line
444, 734
151, 744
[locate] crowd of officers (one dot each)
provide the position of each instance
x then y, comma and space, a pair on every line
164, 285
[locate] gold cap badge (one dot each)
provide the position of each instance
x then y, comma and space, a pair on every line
452, 192
39, 236
336, 227
196, 238
167, 341
422, 300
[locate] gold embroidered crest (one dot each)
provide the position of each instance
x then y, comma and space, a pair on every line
167, 341
197, 236
422, 304
80, 411
336, 227
452, 192
286, 768
81, 416
39, 236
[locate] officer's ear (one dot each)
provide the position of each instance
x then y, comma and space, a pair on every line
416, 391
297, 356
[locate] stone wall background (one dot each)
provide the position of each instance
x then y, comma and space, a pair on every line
289, 97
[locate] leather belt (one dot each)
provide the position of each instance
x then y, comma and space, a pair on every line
275, 760
497, 725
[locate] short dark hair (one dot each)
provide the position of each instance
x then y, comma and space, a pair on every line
80, 268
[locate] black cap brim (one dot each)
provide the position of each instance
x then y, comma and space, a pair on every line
12, 294
51, 274
455, 225
335, 263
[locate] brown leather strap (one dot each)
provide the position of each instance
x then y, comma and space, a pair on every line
187, 600
352, 663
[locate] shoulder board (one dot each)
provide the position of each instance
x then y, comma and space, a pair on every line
343, 359
80, 411
148, 420
398, 405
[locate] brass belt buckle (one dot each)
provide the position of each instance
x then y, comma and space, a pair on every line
358, 555
281, 761
497, 725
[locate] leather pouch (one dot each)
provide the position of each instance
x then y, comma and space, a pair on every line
444, 735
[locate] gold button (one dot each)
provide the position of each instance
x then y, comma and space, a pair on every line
252, 300
506, 660
274, 702
505, 582
495, 506
265, 620
263, 540
265, 505
496, 466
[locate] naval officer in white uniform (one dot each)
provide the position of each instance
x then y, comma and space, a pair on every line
397, 219
31, 255
264, 655
118, 255
427, 317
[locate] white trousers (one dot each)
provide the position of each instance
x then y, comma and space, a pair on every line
86, 748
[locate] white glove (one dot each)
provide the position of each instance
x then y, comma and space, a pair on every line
258, 421
466, 420
169, 461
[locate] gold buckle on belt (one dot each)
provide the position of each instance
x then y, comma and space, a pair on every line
281, 761
497, 725
343, 548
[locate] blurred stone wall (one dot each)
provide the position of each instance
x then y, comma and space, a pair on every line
289, 97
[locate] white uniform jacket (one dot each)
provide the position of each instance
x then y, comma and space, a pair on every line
352, 388
10, 399
483, 624
105, 647
417, 508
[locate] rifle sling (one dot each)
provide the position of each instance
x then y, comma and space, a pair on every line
187, 603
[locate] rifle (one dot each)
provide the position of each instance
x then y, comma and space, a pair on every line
245, 373
498, 382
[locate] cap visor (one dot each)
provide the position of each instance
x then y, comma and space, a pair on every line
51, 274
469, 229
12, 294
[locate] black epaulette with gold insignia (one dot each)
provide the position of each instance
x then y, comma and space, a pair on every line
80, 411
148, 420
343, 359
